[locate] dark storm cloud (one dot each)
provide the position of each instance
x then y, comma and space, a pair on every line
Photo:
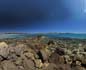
21, 13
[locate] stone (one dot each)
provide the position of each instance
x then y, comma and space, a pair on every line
50, 66
28, 64
64, 67
68, 60
29, 55
19, 61
56, 59
8, 65
78, 68
38, 63
20, 48
4, 49
43, 55
60, 51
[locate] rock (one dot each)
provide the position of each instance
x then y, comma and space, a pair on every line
20, 48
12, 56
60, 51
4, 49
29, 55
0, 68
20, 68
19, 62
56, 59
28, 64
63, 67
8, 65
68, 60
51, 66
51, 42
78, 63
43, 55
67, 52
38, 63
46, 64
78, 68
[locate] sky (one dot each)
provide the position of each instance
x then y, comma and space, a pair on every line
43, 16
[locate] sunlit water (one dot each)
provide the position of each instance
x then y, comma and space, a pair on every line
50, 35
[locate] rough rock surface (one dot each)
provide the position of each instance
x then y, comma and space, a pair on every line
42, 54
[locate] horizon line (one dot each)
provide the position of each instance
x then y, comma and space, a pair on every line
40, 32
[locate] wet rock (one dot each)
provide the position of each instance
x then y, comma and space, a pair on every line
4, 49
8, 65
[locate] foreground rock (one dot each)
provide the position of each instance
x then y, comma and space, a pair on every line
4, 50
42, 54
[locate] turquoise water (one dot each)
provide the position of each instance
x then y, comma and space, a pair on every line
50, 35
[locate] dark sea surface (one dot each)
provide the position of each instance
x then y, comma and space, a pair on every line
50, 35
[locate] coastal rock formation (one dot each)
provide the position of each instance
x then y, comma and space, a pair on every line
41, 53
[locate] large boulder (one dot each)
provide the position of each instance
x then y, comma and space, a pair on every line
4, 49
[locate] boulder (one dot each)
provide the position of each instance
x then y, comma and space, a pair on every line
20, 48
43, 55
60, 51
8, 65
28, 64
56, 59
29, 55
38, 63
4, 49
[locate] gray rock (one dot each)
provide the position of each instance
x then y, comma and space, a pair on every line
28, 64
43, 55
19, 49
8, 65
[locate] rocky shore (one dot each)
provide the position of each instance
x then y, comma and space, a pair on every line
42, 53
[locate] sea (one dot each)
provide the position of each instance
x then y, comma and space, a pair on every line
50, 35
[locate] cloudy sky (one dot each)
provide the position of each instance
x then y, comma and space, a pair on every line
43, 16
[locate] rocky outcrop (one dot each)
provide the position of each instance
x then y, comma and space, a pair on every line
35, 54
